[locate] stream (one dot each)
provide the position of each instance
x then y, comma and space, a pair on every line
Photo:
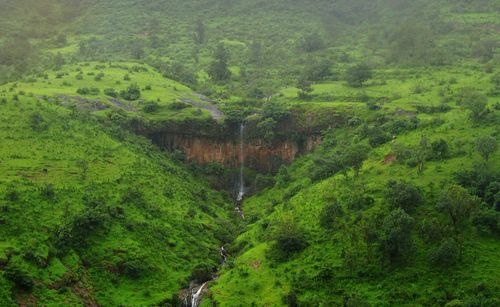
195, 293
241, 188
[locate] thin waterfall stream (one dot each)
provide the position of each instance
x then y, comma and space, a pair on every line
241, 189
196, 292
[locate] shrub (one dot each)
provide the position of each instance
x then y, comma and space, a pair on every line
433, 230
474, 102
329, 215
457, 203
486, 146
439, 150
403, 195
312, 42
48, 191
447, 254
288, 240
396, 235
377, 137
486, 221
151, 107
99, 76
17, 272
132, 93
111, 92
88, 91
37, 122
202, 272
358, 74
178, 105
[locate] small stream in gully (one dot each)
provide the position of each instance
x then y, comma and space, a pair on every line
196, 292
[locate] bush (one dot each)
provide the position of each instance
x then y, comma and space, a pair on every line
151, 107
486, 146
400, 126
329, 215
457, 203
111, 92
178, 105
486, 221
17, 272
312, 42
99, 76
396, 235
447, 254
202, 272
48, 191
88, 91
38, 123
403, 195
132, 93
475, 102
357, 75
377, 137
439, 150
288, 240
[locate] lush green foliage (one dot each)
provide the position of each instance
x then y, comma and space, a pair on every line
399, 205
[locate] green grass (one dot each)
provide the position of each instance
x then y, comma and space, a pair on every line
418, 282
170, 228
63, 86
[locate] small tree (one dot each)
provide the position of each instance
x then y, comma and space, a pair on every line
422, 153
312, 42
38, 123
151, 107
358, 74
329, 215
200, 33
457, 203
486, 146
403, 195
288, 240
219, 69
474, 102
267, 128
305, 88
354, 156
59, 61
396, 235
283, 177
132, 93
447, 254
440, 150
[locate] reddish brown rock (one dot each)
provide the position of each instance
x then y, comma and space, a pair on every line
257, 153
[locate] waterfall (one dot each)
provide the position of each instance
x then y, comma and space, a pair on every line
195, 297
223, 254
241, 191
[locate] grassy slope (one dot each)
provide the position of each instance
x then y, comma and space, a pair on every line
63, 85
163, 230
252, 276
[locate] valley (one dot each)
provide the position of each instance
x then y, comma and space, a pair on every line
249, 153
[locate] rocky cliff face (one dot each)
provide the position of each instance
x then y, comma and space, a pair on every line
213, 141
258, 154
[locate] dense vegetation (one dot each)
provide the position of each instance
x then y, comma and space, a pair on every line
399, 205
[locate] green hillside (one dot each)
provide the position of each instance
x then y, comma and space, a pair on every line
332, 223
91, 213
105, 105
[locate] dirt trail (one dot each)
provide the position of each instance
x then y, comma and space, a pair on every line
206, 104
